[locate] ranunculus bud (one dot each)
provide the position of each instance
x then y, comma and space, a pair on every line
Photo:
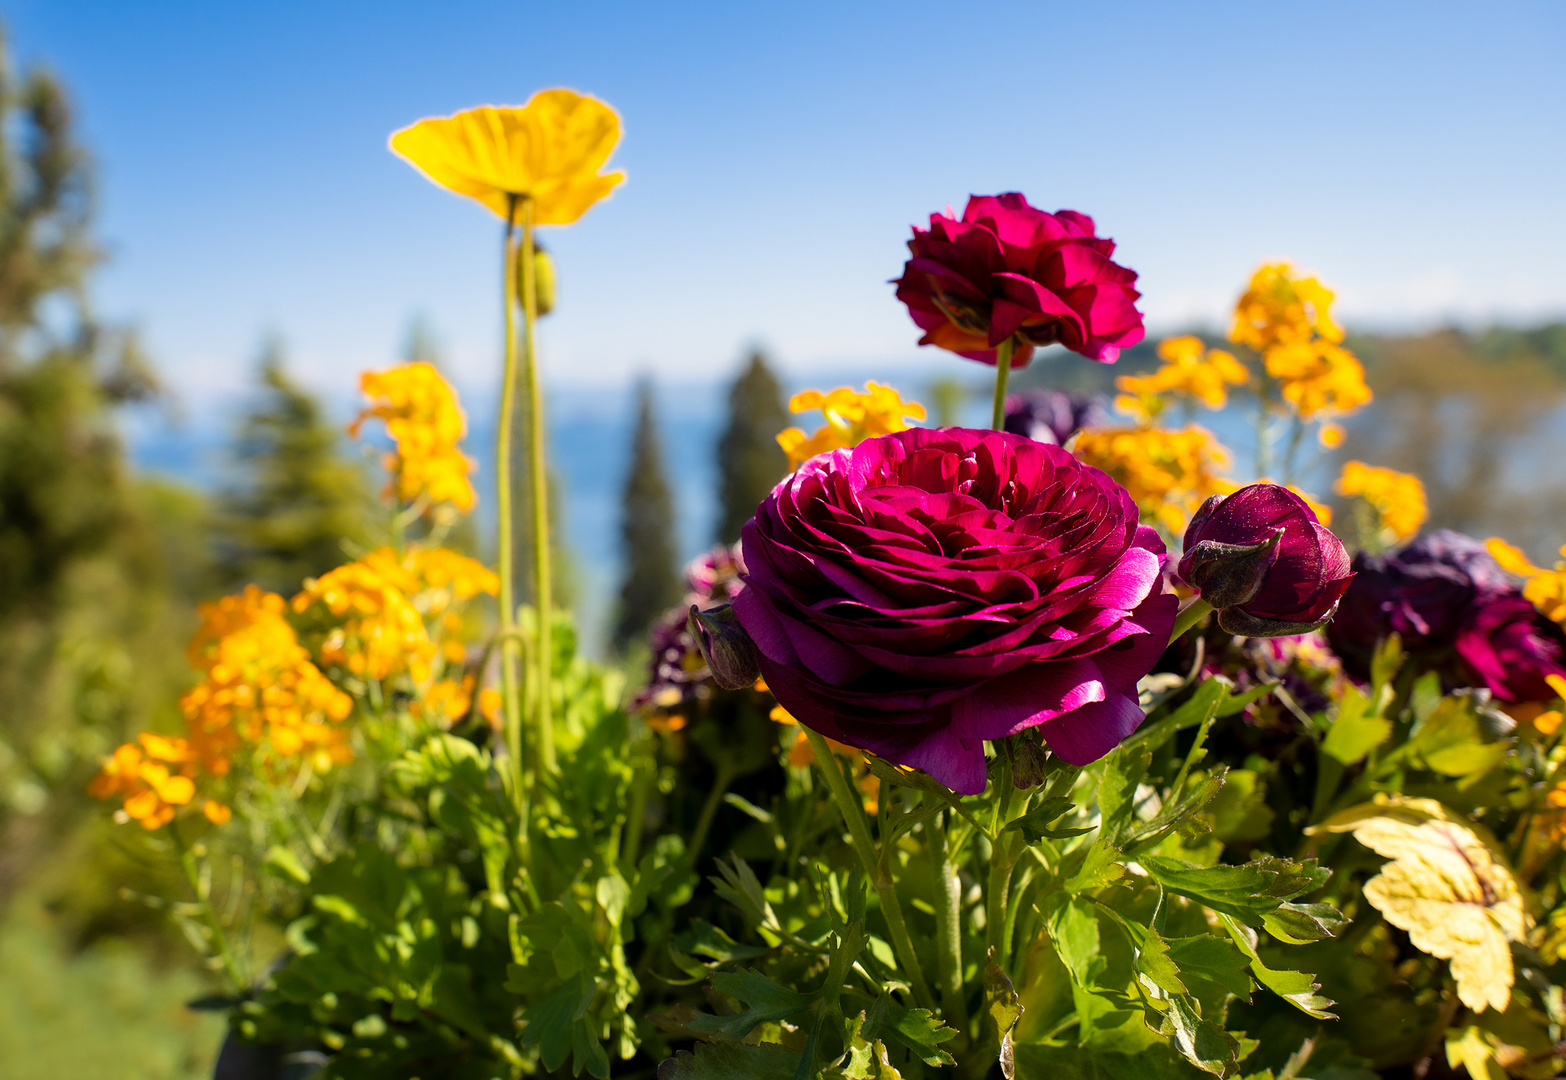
543, 280
1264, 562
728, 650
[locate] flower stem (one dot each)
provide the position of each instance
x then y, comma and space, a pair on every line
540, 496
1188, 617
510, 646
948, 930
187, 861
853, 812
1002, 370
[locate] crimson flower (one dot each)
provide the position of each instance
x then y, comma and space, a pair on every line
1008, 270
930, 589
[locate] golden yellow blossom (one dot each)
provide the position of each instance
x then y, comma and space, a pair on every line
1330, 435
422, 416
1168, 473
1318, 377
1545, 588
851, 418
259, 687
1397, 498
1190, 369
380, 603
141, 773
1278, 308
549, 150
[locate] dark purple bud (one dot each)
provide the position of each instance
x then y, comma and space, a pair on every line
728, 650
1264, 562
1028, 763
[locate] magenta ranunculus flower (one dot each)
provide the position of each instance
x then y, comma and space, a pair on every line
1510, 648
931, 589
1264, 562
1007, 269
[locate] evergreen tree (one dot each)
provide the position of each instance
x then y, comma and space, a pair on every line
750, 462
652, 582
297, 498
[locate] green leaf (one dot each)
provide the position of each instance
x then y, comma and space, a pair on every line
1202, 706
731, 1061
1300, 924
1200, 1041
1385, 663
1139, 836
916, 1030
1237, 702
284, 863
586, 1051
1248, 892
1073, 927
704, 939
1295, 987
1357, 730
1035, 824
1451, 740
1123, 771
767, 1000
1215, 959
1240, 812
548, 1024
1005, 1009
1092, 867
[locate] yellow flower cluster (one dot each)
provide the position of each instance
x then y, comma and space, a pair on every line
1545, 588
380, 603
851, 418
1286, 319
1190, 369
1397, 498
1168, 473
422, 415
259, 687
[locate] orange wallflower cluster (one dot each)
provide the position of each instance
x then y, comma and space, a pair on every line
259, 689
1189, 369
1397, 498
801, 755
1168, 473
1286, 319
1545, 588
422, 415
380, 603
851, 418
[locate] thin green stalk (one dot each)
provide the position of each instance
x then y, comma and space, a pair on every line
1002, 370
1188, 618
948, 930
997, 897
641, 788
853, 812
510, 649
709, 810
187, 861
540, 496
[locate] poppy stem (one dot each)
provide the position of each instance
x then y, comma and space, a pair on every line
1002, 370
1188, 617
853, 811
540, 498
510, 644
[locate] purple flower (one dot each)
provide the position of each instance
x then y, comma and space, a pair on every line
1053, 416
1423, 592
1264, 562
931, 589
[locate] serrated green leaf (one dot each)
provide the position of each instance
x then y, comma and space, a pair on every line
1035, 824
1123, 771
1451, 741
1202, 705
703, 939
1004, 1008
1215, 959
1236, 702
1092, 867
1138, 836
1073, 927
1295, 987
586, 1051
1300, 924
1200, 1041
767, 1001
1248, 892
548, 1024
731, 1061
916, 1030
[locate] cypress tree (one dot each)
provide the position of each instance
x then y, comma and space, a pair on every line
750, 462
652, 582
297, 498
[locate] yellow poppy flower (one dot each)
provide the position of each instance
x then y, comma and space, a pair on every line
549, 150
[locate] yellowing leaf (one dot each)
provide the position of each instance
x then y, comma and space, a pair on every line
1447, 886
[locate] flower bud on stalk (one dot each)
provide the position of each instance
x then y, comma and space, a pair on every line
543, 280
730, 655
1264, 562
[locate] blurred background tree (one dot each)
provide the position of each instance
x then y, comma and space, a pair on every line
297, 504
651, 582
750, 462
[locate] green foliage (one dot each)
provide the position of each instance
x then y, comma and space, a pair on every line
750, 462
652, 583
297, 503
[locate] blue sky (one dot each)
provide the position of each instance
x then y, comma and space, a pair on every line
1412, 154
